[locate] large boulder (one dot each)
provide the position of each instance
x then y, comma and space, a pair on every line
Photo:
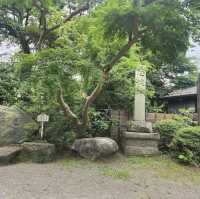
94, 148
15, 125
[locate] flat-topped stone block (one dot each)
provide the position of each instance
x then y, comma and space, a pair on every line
8, 154
140, 126
39, 152
138, 151
138, 143
139, 135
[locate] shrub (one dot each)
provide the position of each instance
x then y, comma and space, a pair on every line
186, 145
100, 124
58, 132
168, 128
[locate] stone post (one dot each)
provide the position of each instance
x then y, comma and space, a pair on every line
140, 86
140, 139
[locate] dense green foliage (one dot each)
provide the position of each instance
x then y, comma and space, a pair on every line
100, 124
8, 84
58, 132
194, 6
180, 73
79, 53
180, 138
168, 128
86, 55
33, 24
186, 144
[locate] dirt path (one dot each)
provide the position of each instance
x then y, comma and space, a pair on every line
85, 181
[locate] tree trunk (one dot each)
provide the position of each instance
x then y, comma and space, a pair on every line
24, 45
80, 124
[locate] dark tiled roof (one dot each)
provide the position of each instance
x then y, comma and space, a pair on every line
183, 92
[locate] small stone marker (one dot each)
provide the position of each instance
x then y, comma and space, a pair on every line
42, 118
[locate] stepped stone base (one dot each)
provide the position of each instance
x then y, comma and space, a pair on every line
138, 143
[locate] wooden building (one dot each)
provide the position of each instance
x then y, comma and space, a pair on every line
182, 99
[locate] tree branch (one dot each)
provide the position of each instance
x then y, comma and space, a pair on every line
43, 31
66, 109
90, 99
119, 55
107, 68
96, 92
27, 17
42, 22
46, 30
69, 17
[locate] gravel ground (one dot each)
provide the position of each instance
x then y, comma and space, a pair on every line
58, 181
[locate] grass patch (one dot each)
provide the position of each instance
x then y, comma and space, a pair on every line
148, 162
105, 167
123, 168
121, 174
166, 168
71, 161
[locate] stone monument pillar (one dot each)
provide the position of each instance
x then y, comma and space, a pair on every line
139, 139
140, 86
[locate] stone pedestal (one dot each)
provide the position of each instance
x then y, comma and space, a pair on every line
140, 140
39, 152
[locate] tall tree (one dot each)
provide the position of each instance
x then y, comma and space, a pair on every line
110, 32
193, 7
32, 23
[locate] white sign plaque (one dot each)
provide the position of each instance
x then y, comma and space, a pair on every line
42, 118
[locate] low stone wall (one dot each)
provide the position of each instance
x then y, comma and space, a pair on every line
121, 117
155, 117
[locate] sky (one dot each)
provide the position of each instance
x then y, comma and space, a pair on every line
7, 50
194, 54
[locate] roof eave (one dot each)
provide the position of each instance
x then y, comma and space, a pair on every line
177, 96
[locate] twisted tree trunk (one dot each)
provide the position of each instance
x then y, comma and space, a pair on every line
80, 123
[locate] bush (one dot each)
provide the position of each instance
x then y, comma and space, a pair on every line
100, 124
186, 145
168, 128
58, 132
8, 84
